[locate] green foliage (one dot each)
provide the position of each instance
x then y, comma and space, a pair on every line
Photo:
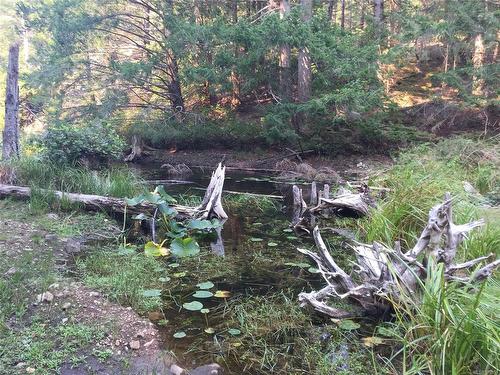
71, 143
452, 328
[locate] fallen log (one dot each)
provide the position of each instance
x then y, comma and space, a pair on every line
385, 273
210, 208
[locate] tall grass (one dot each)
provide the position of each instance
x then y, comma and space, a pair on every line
116, 182
451, 329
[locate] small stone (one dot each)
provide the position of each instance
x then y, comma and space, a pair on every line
72, 246
94, 294
11, 271
54, 286
45, 297
134, 344
212, 369
52, 216
30, 370
20, 364
176, 370
66, 306
118, 343
64, 320
149, 343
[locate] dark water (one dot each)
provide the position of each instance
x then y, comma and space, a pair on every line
254, 254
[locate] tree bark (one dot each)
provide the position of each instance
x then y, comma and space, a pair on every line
378, 14
235, 79
332, 11
11, 128
304, 59
174, 84
478, 62
284, 64
342, 13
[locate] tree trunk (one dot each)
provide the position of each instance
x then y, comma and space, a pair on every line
284, 64
378, 14
362, 16
235, 79
342, 14
304, 60
11, 128
478, 61
174, 84
332, 10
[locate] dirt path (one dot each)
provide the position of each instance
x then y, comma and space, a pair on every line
52, 323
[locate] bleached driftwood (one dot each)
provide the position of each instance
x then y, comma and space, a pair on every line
210, 207
384, 271
136, 149
345, 203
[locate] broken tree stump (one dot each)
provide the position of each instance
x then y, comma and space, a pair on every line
384, 271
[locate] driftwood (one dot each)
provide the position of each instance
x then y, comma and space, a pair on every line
384, 271
211, 206
345, 203
136, 149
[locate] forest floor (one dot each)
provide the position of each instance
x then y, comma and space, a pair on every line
49, 321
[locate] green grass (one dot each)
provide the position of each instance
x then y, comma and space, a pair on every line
43, 174
123, 276
451, 329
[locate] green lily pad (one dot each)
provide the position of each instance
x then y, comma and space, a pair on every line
203, 294
272, 244
313, 270
152, 293
184, 247
300, 265
288, 230
180, 334
256, 239
292, 238
348, 325
164, 279
234, 331
205, 285
204, 311
173, 265
193, 306
209, 330
179, 274
222, 294
155, 250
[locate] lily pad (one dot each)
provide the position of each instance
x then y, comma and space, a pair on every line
203, 294
256, 239
372, 341
193, 306
313, 270
288, 230
179, 274
155, 250
209, 330
348, 325
184, 247
180, 334
205, 285
173, 265
234, 331
204, 311
292, 238
222, 294
301, 265
164, 279
203, 224
152, 293
272, 244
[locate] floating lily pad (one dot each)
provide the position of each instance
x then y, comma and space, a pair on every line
164, 279
180, 334
152, 293
292, 238
234, 331
236, 344
222, 294
209, 330
193, 306
272, 244
173, 265
155, 250
205, 285
179, 274
372, 341
313, 270
204, 311
288, 230
203, 294
257, 224
348, 325
256, 239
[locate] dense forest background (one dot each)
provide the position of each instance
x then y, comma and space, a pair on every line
348, 75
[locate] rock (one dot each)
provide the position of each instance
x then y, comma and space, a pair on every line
20, 364
176, 370
469, 188
66, 306
64, 320
54, 286
134, 344
11, 271
30, 370
94, 294
118, 343
155, 315
212, 369
45, 297
51, 238
72, 246
149, 343
52, 216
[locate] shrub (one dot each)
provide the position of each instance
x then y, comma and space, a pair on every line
70, 143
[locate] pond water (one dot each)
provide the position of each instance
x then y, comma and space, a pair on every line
253, 258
